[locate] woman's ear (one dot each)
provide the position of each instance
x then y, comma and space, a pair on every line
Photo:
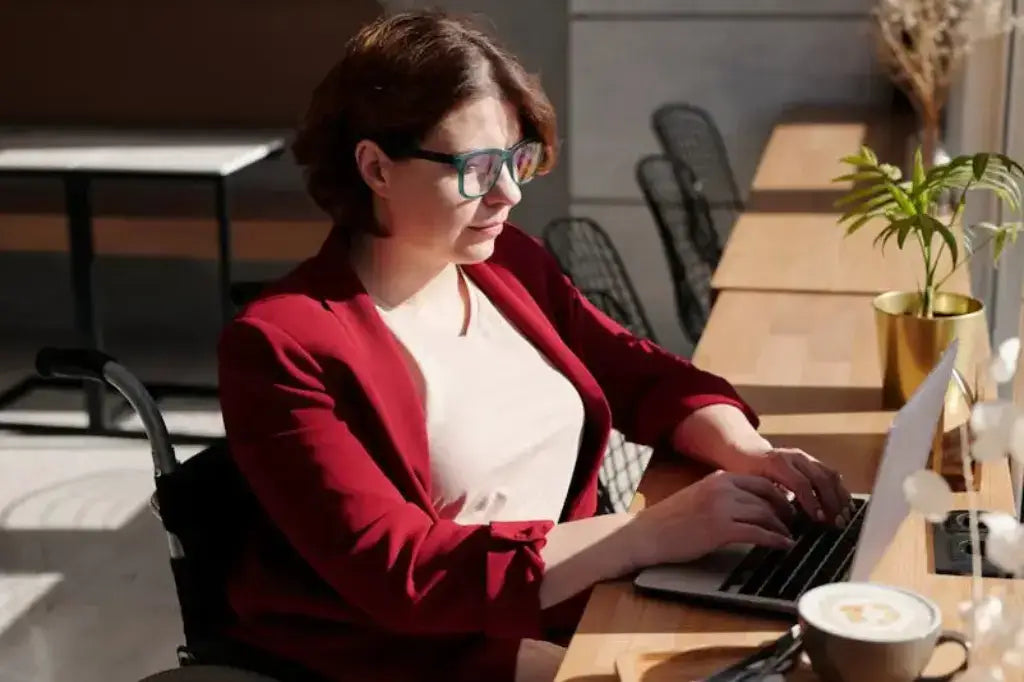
374, 166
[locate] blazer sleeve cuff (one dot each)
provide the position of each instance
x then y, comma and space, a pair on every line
515, 571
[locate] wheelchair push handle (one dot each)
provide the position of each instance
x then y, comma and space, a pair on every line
72, 363
93, 365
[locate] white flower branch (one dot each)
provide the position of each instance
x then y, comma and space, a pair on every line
994, 430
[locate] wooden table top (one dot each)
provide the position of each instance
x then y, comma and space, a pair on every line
804, 354
801, 155
791, 215
810, 252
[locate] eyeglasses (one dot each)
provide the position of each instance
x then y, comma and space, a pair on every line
480, 169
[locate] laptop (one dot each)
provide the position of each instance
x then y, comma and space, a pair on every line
749, 577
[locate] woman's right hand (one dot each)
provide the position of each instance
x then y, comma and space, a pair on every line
720, 509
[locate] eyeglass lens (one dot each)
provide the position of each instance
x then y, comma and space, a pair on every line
481, 171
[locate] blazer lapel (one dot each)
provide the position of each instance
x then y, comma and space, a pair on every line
378, 366
381, 370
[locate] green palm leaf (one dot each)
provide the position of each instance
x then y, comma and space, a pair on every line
904, 208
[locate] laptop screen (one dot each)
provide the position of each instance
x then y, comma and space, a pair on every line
907, 448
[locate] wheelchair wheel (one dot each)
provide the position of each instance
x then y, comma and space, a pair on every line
207, 673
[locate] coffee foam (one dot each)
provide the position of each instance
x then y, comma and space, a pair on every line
869, 611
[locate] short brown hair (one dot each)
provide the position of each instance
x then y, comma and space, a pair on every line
396, 80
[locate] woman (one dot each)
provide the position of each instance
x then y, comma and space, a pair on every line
421, 408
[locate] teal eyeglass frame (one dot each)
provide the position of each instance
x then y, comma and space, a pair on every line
460, 161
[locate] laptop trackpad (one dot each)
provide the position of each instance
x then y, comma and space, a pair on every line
703, 575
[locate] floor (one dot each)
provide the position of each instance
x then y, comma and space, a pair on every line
85, 589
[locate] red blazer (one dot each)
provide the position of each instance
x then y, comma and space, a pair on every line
325, 424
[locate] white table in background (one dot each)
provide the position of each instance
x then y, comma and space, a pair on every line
76, 157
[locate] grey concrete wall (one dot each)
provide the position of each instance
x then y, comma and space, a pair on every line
743, 61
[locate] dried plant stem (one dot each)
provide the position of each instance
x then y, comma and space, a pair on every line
923, 44
930, 138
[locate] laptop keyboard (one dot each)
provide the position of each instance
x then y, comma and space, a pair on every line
822, 554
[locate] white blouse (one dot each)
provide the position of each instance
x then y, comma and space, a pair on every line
503, 424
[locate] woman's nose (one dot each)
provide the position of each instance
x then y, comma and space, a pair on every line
505, 191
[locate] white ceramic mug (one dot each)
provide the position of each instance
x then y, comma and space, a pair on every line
866, 632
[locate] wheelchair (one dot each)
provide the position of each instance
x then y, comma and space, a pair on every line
205, 508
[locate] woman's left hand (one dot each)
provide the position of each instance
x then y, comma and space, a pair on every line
818, 488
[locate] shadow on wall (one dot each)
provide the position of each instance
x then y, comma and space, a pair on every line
185, 63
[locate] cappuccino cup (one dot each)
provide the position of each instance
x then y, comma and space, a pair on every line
866, 632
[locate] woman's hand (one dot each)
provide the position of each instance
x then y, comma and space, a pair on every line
721, 435
818, 489
717, 510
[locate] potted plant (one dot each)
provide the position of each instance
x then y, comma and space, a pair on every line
914, 327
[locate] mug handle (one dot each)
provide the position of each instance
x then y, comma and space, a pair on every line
956, 638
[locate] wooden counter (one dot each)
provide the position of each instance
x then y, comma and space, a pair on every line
789, 238
799, 343
809, 252
816, 387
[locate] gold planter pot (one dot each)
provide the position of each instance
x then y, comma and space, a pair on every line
910, 346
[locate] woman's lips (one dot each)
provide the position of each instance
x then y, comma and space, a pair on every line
490, 228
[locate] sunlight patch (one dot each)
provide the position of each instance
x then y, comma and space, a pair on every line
19, 592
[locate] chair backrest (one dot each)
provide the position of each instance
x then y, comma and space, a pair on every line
587, 256
622, 468
207, 505
242, 292
672, 185
682, 223
688, 133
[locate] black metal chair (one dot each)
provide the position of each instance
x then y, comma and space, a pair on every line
689, 134
622, 468
688, 240
587, 256
672, 184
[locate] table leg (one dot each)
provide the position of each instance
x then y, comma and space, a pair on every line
223, 250
78, 206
